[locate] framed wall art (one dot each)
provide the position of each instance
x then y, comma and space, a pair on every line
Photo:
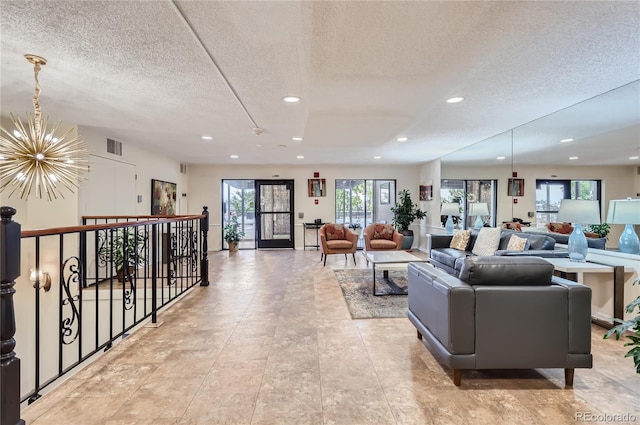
163, 197
426, 192
317, 187
516, 187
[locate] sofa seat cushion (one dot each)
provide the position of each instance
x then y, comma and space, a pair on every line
504, 270
339, 244
448, 256
382, 244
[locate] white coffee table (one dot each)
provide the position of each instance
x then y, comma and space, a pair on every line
383, 260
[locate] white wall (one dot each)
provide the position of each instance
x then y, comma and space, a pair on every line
430, 174
112, 181
205, 183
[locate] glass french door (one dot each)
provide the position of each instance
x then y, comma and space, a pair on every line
274, 214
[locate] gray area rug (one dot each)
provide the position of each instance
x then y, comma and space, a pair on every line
357, 288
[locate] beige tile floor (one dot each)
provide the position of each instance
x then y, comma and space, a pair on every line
271, 342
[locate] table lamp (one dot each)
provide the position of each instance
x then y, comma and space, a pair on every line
578, 212
627, 212
478, 209
449, 209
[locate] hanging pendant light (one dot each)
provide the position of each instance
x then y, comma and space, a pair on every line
34, 159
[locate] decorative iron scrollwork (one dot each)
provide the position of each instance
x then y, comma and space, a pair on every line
71, 297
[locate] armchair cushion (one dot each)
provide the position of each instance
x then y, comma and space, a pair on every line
383, 231
339, 244
500, 270
335, 232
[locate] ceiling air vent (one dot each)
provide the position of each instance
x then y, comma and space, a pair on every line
183, 168
114, 147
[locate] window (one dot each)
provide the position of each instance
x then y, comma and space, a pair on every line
549, 193
363, 202
465, 192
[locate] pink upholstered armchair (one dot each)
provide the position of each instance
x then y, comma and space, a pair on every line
382, 237
337, 239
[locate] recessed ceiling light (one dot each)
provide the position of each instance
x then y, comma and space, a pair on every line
300, 156
291, 99
297, 139
573, 157
455, 99
501, 157
259, 145
377, 157
234, 156
634, 157
402, 139
566, 140
207, 138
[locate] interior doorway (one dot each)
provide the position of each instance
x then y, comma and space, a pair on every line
238, 203
274, 214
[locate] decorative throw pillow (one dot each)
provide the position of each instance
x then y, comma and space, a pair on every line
564, 228
383, 231
334, 232
513, 226
460, 240
487, 241
516, 243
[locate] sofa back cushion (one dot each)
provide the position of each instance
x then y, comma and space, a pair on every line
520, 271
334, 232
487, 241
460, 240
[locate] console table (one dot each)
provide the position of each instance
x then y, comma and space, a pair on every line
311, 226
575, 271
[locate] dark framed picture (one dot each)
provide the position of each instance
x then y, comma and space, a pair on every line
516, 187
384, 193
317, 187
426, 192
163, 197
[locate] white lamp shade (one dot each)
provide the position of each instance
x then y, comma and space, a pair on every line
579, 211
624, 211
478, 208
450, 209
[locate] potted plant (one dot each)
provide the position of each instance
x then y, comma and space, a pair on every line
601, 229
232, 233
404, 213
124, 246
356, 227
632, 326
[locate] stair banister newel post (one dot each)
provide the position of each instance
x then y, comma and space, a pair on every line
9, 364
204, 263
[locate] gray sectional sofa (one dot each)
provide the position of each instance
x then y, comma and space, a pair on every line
502, 313
451, 260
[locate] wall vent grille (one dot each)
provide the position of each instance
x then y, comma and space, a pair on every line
114, 147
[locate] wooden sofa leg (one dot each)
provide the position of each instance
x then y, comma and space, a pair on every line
419, 334
457, 377
568, 377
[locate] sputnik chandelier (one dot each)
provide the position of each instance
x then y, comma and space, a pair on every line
33, 159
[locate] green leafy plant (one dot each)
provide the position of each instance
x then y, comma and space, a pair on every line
601, 229
124, 245
354, 226
405, 211
232, 231
632, 326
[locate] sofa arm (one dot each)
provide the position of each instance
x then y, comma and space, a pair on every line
442, 304
579, 315
397, 238
438, 241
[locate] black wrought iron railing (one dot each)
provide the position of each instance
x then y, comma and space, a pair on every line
83, 287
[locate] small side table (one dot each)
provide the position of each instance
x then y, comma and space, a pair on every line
311, 226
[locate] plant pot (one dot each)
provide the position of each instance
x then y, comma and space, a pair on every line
233, 246
121, 276
407, 239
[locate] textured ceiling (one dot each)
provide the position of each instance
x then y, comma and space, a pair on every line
367, 72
